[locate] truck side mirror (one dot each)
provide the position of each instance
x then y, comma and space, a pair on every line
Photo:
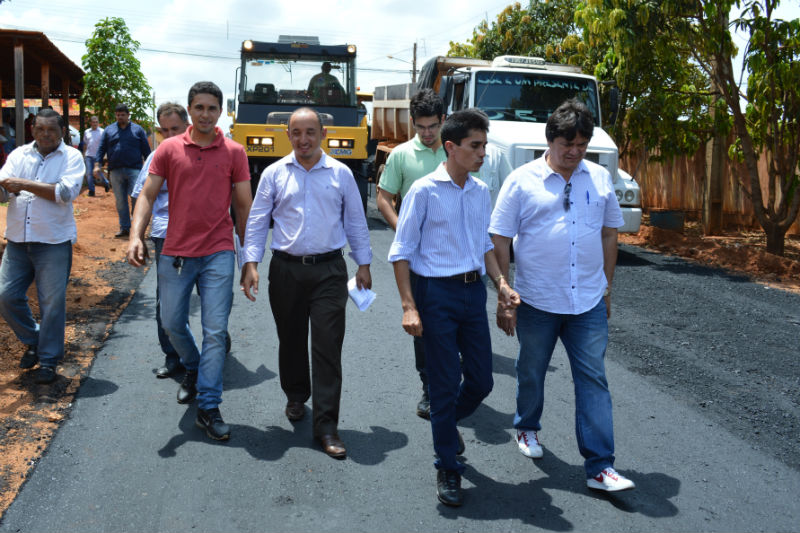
231, 107
614, 104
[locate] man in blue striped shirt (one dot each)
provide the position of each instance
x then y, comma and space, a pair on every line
442, 236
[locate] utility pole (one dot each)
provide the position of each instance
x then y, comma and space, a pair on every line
414, 65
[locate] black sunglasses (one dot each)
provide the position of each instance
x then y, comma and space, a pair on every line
567, 190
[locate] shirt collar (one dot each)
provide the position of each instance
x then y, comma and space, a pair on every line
323, 162
547, 171
421, 147
441, 174
60, 148
218, 140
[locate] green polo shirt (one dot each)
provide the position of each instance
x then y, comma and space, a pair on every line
407, 163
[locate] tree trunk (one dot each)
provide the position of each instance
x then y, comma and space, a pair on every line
776, 237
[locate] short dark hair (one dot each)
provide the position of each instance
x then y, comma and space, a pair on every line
458, 126
311, 109
205, 87
49, 113
426, 103
569, 119
168, 108
121, 107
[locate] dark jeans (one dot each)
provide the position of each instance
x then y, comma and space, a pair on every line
454, 322
299, 294
163, 338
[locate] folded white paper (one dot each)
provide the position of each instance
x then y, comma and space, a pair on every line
363, 298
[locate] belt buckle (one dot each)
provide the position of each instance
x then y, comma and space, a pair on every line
470, 277
307, 260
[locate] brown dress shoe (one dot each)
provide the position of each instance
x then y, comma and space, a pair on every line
333, 446
295, 411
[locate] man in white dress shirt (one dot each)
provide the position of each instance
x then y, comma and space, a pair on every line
39, 181
563, 214
314, 203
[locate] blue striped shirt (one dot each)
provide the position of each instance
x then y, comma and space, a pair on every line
442, 229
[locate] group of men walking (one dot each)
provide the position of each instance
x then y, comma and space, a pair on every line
560, 210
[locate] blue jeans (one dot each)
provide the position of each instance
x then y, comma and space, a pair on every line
213, 276
163, 338
585, 338
49, 266
123, 181
89, 173
454, 321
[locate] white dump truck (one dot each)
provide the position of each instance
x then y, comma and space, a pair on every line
518, 94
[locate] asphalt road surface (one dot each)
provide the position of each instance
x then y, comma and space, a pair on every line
702, 366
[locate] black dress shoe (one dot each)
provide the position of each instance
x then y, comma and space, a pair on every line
29, 358
188, 389
45, 374
107, 186
171, 364
121, 234
424, 406
90, 193
333, 446
295, 411
212, 422
448, 487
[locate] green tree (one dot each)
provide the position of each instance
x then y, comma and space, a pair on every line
113, 74
538, 30
643, 36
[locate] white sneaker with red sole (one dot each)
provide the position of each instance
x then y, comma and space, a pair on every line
610, 480
528, 442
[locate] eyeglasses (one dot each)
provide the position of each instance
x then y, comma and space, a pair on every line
567, 190
432, 127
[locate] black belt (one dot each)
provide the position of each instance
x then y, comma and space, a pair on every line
308, 259
465, 277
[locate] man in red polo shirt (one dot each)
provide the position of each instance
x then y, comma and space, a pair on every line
204, 170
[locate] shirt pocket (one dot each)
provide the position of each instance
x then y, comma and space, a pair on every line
593, 214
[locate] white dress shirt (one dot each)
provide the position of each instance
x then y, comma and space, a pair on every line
315, 211
558, 252
442, 229
31, 218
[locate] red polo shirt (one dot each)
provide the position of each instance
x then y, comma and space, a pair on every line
200, 182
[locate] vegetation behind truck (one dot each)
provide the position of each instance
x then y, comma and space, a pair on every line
273, 80
518, 94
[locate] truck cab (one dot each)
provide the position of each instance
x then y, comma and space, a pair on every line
519, 94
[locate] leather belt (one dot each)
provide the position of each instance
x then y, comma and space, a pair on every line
308, 259
465, 277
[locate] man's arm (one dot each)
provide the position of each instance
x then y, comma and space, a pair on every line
137, 251
242, 201
384, 203
43, 190
101, 152
63, 191
506, 314
411, 320
609, 238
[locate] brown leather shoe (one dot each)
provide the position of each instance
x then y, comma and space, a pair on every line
295, 411
333, 446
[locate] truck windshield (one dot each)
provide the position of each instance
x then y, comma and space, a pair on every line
530, 96
310, 80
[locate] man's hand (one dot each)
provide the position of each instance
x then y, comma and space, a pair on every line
412, 323
249, 281
96, 171
137, 251
506, 319
608, 305
363, 277
13, 185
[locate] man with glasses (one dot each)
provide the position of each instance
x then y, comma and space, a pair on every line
406, 164
564, 214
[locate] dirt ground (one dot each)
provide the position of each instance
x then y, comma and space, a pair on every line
101, 285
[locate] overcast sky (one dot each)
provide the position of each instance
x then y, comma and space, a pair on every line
183, 41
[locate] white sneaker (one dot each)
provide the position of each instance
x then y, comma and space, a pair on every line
610, 480
528, 443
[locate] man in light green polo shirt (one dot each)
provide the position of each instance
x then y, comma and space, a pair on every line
407, 163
